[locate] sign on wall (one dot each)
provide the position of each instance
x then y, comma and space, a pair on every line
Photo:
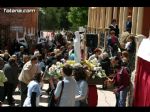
17, 28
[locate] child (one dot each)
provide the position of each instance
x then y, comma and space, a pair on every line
34, 92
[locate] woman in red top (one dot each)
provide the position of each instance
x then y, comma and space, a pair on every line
92, 96
121, 81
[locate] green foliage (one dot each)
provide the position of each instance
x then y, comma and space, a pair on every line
55, 18
78, 16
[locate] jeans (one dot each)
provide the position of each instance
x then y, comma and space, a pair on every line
121, 97
23, 92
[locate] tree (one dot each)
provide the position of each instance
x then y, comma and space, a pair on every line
78, 16
53, 18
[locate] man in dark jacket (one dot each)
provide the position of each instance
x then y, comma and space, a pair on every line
105, 63
129, 24
11, 74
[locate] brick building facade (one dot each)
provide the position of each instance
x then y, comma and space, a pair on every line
17, 19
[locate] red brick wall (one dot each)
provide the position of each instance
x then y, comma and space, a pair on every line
146, 21
27, 20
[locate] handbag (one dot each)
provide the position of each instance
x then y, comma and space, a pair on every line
52, 102
83, 103
51, 98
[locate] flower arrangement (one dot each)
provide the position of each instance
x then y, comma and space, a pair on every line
94, 61
93, 65
88, 64
96, 72
99, 72
71, 62
54, 71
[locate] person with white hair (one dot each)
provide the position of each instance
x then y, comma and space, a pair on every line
36, 52
106, 65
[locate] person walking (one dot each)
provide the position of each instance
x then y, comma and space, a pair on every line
26, 75
10, 73
34, 92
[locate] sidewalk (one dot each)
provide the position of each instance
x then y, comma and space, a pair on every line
105, 98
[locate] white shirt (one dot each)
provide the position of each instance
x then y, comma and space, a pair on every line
144, 49
68, 93
33, 86
127, 45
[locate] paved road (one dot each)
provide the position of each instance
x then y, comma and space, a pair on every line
105, 97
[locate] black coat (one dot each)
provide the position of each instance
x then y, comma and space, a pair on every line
11, 72
105, 63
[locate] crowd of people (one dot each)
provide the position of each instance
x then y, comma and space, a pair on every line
27, 71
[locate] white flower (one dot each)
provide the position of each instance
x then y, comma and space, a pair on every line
94, 61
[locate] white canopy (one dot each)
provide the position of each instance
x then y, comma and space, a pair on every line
144, 49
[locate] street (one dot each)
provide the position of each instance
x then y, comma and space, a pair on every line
105, 98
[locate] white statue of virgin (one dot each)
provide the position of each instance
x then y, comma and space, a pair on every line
77, 49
